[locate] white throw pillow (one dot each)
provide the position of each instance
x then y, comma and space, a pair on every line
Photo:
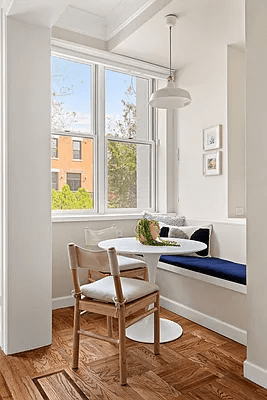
198, 233
177, 220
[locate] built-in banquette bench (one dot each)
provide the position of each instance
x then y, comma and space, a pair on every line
212, 266
212, 290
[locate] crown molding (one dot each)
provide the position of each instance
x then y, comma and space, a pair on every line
6, 5
126, 12
115, 25
37, 12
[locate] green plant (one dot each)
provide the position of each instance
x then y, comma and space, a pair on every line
67, 200
145, 236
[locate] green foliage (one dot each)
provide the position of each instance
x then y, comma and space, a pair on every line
121, 175
56, 200
83, 199
67, 200
144, 235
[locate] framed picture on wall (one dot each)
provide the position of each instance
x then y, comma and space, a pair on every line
212, 137
212, 164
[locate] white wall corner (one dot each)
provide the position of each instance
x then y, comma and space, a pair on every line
62, 302
255, 374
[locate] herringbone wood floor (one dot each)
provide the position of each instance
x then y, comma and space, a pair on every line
201, 365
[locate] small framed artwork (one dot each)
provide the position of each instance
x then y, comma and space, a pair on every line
212, 137
212, 163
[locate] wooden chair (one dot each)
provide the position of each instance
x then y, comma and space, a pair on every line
129, 266
112, 296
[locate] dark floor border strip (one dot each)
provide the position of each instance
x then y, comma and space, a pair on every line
71, 381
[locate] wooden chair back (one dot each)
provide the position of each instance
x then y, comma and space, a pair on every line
93, 237
103, 260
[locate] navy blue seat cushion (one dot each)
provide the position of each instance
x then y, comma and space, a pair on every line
217, 267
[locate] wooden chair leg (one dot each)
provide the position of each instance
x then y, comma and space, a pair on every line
146, 274
110, 326
156, 327
122, 346
76, 336
146, 279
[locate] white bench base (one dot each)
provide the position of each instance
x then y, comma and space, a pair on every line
212, 302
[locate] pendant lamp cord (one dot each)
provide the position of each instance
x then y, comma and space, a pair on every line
170, 52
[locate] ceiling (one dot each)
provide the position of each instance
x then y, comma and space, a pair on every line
136, 28
202, 26
102, 8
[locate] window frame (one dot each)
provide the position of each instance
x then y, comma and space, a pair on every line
97, 134
79, 150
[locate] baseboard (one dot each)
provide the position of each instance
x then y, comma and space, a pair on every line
230, 331
255, 374
62, 302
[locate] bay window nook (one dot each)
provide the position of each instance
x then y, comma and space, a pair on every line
90, 68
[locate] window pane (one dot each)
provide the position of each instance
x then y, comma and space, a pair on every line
129, 175
71, 95
76, 150
126, 106
54, 147
55, 180
75, 179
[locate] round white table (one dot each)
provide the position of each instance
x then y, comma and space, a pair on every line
143, 331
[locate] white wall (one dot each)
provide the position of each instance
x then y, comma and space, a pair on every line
206, 80
27, 258
2, 91
228, 238
236, 75
167, 168
256, 158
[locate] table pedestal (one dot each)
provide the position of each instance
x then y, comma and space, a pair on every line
143, 331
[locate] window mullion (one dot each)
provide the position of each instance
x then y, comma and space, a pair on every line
101, 159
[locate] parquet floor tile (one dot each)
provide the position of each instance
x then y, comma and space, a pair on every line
200, 365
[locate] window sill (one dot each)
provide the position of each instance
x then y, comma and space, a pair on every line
94, 217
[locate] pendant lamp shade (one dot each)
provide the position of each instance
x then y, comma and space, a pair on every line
170, 97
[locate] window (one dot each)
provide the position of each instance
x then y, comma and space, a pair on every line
76, 150
109, 129
129, 150
55, 180
54, 147
74, 181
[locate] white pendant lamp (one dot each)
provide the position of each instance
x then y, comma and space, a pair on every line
170, 97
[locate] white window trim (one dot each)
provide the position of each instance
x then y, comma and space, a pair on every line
103, 59
96, 56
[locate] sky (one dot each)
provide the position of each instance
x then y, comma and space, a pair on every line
73, 81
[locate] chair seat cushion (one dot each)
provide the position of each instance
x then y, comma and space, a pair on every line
126, 263
212, 266
104, 289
